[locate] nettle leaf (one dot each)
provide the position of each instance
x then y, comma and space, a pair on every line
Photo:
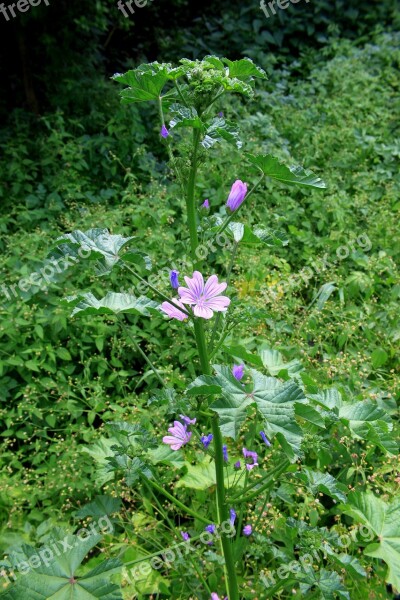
94, 244
144, 83
322, 482
271, 167
384, 520
60, 577
113, 303
276, 402
370, 422
220, 130
185, 117
258, 235
100, 506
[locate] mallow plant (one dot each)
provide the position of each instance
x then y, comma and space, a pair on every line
247, 421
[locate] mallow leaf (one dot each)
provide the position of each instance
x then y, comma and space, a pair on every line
185, 117
370, 422
384, 521
258, 235
322, 482
113, 303
244, 68
144, 84
220, 130
59, 577
271, 166
275, 401
94, 244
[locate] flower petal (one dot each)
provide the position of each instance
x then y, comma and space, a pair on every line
203, 311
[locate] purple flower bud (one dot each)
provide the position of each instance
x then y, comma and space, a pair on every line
221, 114
236, 195
232, 516
225, 453
265, 439
187, 420
164, 132
237, 464
206, 204
247, 530
238, 371
185, 536
173, 277
206, 440
210, 528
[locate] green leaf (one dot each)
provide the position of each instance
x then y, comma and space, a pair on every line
112, 304
94, 244
384, 520
322, 482
326, 582
59, 578
244, 68
310, 414
220, 130
144, 83
233, 404
259, 235
379, 357
273, 361
138, 258
185, 117
370, 422
330, 398
276, 403
101, 505
201, 476
240, 352
271, 167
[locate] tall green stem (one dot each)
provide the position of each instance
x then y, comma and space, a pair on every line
223, 513
190, 201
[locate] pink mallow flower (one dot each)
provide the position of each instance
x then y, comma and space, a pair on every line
180, 436
236, 195
205, 298
172, 311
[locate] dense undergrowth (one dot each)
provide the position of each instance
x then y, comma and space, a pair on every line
328, 299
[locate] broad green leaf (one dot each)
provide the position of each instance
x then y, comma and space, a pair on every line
137, 258
112, 304
323, 294
220, 130
94, 244
144, 84
240, 352
59, 578
322, 482
100, 451
330, 398
244, 68
273, 361
384, 520
202, 476
100, 506
258, 235
271, 167
185, 117
379, 357
276, 402
370, 422
310, 414
233, 404
327, 583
